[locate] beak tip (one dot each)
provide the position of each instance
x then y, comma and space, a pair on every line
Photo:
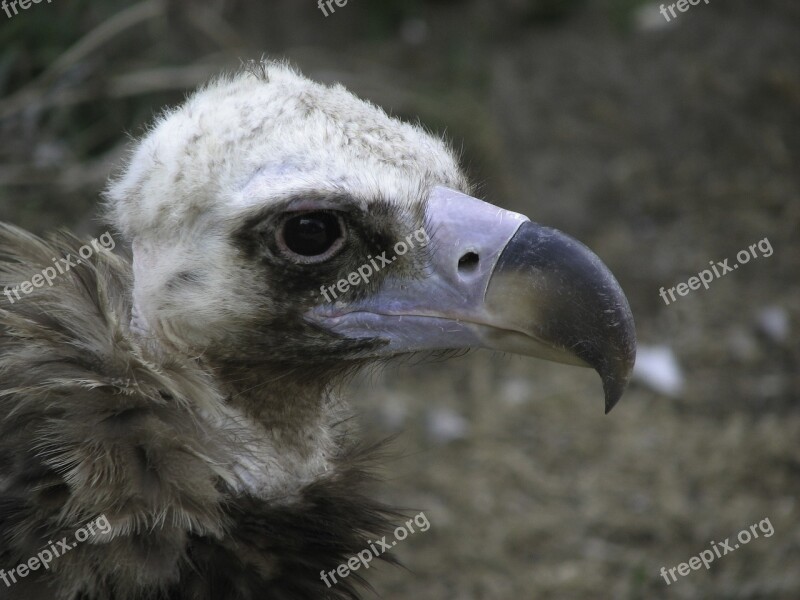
579, 307
613, 388
612, 397
616, 379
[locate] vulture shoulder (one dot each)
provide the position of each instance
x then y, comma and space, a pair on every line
97, 423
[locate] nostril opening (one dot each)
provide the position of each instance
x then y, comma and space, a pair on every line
468, 263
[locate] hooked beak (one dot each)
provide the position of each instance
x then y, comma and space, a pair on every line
497, 280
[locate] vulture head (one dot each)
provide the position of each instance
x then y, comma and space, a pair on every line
283, 234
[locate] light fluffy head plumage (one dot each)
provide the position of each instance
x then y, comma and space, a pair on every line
242, 143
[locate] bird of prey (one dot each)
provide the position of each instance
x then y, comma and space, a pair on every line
185, 398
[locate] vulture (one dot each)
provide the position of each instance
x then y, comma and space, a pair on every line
172, 425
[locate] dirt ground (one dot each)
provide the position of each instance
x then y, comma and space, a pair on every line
662, 146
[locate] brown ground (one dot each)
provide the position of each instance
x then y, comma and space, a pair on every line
662, 149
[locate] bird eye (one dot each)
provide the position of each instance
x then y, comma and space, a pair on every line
311, 237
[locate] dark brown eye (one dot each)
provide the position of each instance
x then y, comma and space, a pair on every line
312, 236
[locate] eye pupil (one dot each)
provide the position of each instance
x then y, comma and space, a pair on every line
311, 234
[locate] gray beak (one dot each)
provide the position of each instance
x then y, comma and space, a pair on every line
497, 280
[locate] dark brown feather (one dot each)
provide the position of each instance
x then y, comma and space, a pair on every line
98, 422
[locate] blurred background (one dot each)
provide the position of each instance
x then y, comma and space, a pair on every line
663, 146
